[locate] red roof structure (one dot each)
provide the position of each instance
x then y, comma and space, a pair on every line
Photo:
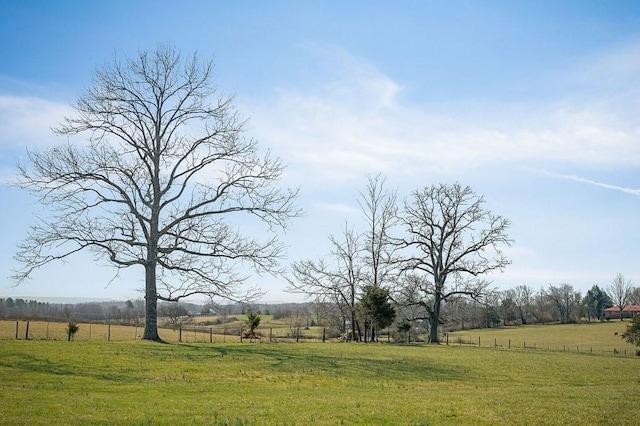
629, 311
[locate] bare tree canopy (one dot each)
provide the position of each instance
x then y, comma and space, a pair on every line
164, 169
523, 296
620, 292
379, 208
451, 240
336, 280
565, 300
357, 261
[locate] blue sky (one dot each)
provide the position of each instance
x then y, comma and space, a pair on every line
534, 104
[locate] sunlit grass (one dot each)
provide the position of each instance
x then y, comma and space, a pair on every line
229, 332
59, 382
597, 337
44, 330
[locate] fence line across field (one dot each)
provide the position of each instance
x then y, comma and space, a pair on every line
53, 330
100, 331
511, 344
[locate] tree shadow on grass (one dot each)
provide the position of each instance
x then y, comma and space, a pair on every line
43, 366
132, 362
282, 359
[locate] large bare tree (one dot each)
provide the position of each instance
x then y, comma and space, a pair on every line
619, 292
161, 182
452, 240
379, 208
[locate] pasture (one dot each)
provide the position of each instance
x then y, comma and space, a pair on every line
596, 337
134, 382
228, 332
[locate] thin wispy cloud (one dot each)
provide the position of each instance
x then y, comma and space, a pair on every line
581, 179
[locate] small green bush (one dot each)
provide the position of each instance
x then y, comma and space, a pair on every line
72, 329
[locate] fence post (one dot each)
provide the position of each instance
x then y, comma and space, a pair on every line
17, 325
495, 343
324, 330
89, 331
509, 343
388, 337
447, 337
180, 335
108, 332
26, 333
478, 341
47, 332
210, 335
525, 345
241, 335
270, 333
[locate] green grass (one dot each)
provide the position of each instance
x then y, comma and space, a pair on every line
42, 330
596, 337
59, 382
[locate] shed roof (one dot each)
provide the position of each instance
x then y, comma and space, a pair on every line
627, 308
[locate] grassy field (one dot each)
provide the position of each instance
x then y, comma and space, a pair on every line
42, 330
596, 337
59, 382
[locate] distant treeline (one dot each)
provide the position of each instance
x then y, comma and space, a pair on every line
127, 312
131, 312
521, 305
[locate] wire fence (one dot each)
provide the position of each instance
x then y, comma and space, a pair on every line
507, 344
53, 330
100, 331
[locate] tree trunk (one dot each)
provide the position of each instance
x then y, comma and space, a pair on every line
359, 330
523, 320
151, 290
435, 319
151, 304
353, 326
